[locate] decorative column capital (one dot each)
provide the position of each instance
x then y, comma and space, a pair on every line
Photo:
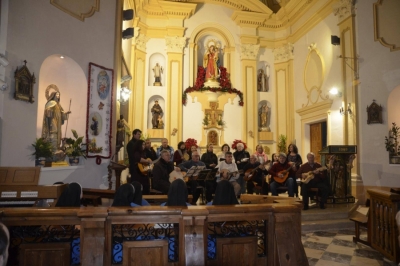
140, 42
343, 9
284, 53
175, 44
249, 51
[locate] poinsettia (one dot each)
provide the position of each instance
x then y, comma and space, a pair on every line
224, 82
189, 143
236, 141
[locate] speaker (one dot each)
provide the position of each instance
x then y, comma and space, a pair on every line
127, 14
335, 40
128, 33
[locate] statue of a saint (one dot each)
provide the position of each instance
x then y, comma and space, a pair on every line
160, 122
120, 132
157, 111
158, 70
263, 114
53, 118
95, 126
262, 81
210, 60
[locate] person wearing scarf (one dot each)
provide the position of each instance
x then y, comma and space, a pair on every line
181, 154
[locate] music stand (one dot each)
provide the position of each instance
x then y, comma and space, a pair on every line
211, 175
203, 174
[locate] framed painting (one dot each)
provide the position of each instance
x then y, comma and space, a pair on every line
24, 81
374, 113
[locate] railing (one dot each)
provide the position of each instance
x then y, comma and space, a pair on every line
264, 234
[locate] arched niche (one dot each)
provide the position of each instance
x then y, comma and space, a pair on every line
266, 67
150, 104
393, 107
155, 59
204, 42
213, 137
70, 79
264, 115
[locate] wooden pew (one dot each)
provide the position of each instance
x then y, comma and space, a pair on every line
383, 230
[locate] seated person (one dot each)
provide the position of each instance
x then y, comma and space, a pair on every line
195, 161
279, 171
319, 181
137, 196
224, 194
257, 172
161, 171
177, 194
124, 195
4, 244
71, 196
228, 171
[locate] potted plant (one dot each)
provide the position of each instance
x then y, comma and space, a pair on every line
221, 123
43, 152
205, 121
282, 143
74, 148
391, 143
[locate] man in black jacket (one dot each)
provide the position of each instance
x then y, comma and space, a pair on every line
161, 172
210, 160
241, 158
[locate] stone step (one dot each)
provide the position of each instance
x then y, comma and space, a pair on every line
318, 215
326, 225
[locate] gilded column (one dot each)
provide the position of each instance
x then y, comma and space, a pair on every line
284, 111
248, 56
175, 47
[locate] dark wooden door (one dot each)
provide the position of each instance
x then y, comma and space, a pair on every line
317, 139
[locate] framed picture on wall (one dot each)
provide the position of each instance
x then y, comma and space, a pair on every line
24, 84
374, 113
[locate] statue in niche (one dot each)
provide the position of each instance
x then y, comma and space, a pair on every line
160, 122
262, 81
53, 118
157, 111
212, 138
264, 113
158, 70
210, 61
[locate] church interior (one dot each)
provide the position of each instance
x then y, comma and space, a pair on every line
320, 74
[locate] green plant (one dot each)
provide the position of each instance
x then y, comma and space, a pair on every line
221, 123
391, 140
43, 148
282, 143
205, 120
74, 146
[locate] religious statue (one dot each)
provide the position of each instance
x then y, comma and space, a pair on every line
53, 118
263, 113
95, 126
120, 132
157, 111
212, 138
213, 115
262, 81
158, 70
210, 60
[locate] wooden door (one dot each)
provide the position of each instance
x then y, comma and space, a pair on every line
317, 139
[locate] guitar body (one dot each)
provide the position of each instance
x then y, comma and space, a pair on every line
177, 175
145, 168
225, 174
248, 175
282, 180
310, 175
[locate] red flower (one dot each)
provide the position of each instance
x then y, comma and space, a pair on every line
236, 141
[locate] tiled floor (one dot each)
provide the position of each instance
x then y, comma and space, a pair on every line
336, 248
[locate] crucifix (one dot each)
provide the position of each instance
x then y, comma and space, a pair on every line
214, 115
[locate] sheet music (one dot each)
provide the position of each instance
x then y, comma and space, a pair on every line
195, 170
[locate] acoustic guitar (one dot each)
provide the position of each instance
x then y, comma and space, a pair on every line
310, 175
285, 174
248, 175
145, 168
225, 174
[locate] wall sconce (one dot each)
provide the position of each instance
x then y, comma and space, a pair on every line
335, 91
126, 78
347, 111
124, 95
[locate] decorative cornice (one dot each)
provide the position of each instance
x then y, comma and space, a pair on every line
284, 53
249, 51
84, 9
175, 44
343, 9
140, 42
380, 23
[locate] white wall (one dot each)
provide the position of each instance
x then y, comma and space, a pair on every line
379, 75
37, 30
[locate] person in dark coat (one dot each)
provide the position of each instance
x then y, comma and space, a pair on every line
225, 194
124, 195
177, 194
71, 196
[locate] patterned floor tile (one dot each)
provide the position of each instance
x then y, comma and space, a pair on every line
323, 233
344, 243
314, 245
329, 263
356, 261
313, 253
340, 250
340, 258
320, 239
312, 261
372, 254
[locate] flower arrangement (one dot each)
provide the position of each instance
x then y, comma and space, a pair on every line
391, 141
189, 143
236, 141
224, 82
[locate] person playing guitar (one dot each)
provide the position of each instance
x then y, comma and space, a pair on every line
317, 177
254, 173
229, 171
283, 175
